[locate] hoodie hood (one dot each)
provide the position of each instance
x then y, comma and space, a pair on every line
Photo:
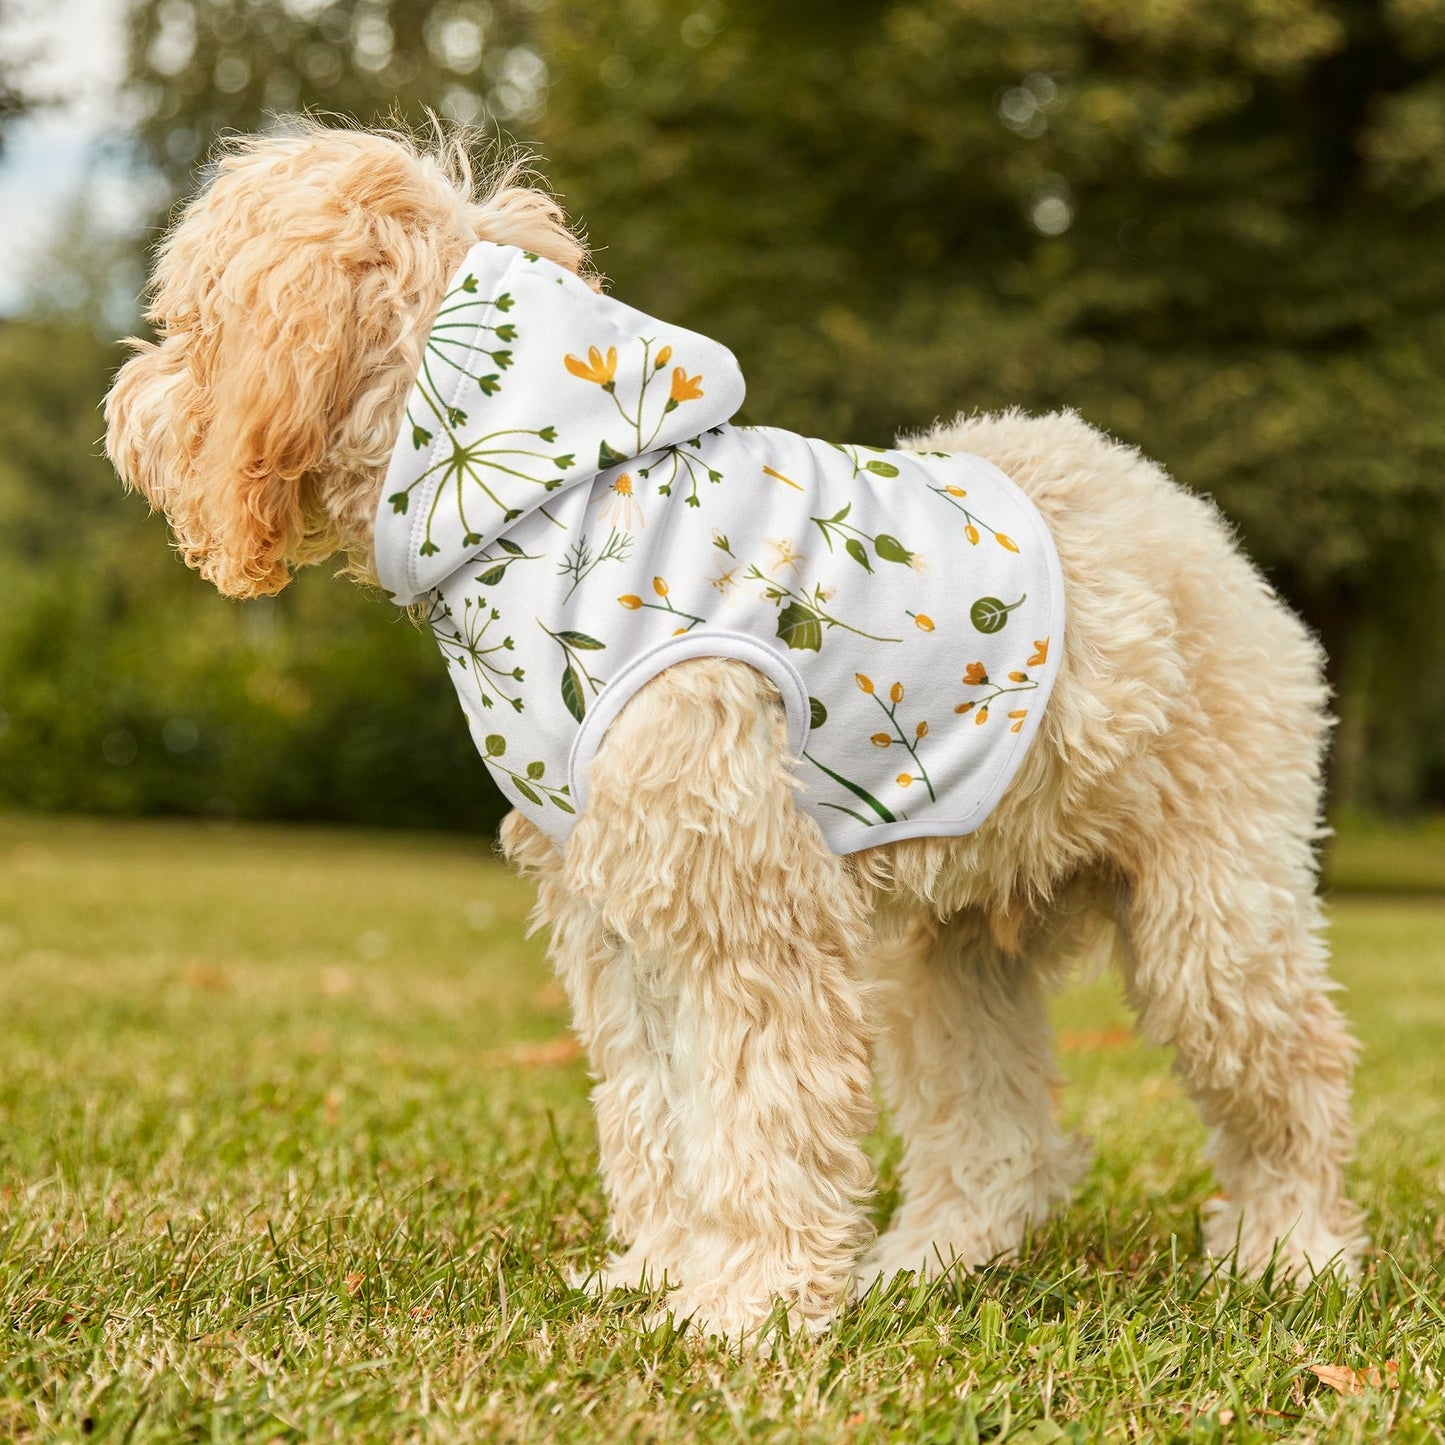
531, 384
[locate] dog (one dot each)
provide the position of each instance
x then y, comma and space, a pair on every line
730, 974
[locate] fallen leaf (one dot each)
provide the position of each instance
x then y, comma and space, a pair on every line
1094, 1042
354, 1283
1347, 1381
554, 1051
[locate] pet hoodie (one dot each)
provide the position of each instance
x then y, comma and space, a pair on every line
571, 502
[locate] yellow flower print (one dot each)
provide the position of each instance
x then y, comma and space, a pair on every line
881, 740
865, 684
621, 509
684, 387
921, 620
1007, 543
725, 581
1041, 653
976, 675
905, 780
971, 532
597, 368
663, 357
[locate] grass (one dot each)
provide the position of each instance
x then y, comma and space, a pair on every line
292, 1147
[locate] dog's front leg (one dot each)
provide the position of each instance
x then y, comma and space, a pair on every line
736, 932
624, 1023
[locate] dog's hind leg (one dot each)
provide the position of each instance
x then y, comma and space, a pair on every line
741, 929
966, 1059
1225, 961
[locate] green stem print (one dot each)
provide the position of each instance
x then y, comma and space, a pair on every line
633, 602
885, 740
575, 677
801, 622
976, 675
857, 792
581, 560
465, 643
973, 523
453, 343
886, 548
497, 566
601, 369
876, 465
530, 784
682, 460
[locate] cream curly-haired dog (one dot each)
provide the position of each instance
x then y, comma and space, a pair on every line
729, 975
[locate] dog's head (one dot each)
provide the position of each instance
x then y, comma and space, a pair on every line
291, 303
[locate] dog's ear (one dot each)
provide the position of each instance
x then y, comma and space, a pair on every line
222, 421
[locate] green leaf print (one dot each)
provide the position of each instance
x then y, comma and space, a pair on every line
608, 457
535, 770
528, 793
890, 549
580, 639
853, 788
801, 628
496, 745
881, 469
572, 692
817, 713
989, 614
854, 549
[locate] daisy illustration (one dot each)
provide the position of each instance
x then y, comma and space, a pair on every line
621, 509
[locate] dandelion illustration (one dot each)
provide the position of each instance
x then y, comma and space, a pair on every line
465, 641
469, 472
725, 581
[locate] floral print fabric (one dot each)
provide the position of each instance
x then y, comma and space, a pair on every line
570, 501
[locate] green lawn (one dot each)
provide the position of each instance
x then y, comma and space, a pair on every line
292, 1147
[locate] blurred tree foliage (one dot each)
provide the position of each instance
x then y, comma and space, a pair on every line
1215, 227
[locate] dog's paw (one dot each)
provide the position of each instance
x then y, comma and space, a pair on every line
1297, 1244
756, 1325
633, 1270
900, 1253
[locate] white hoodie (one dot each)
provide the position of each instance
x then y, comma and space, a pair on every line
570, 497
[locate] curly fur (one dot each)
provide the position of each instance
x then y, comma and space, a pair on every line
729, 976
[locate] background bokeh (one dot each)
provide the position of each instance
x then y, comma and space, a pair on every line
1214, 227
